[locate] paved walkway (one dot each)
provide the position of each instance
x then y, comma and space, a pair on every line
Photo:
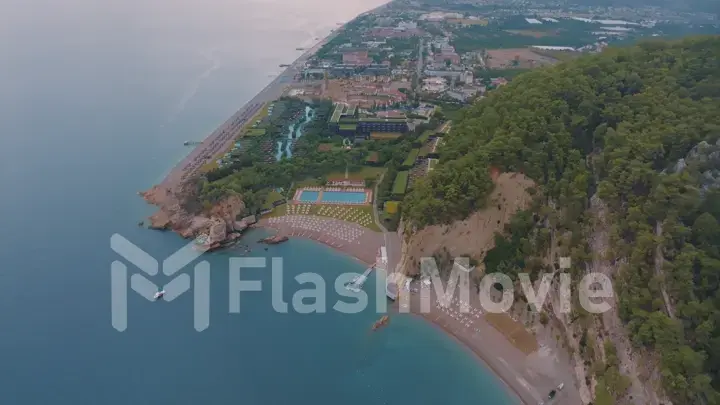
391, 239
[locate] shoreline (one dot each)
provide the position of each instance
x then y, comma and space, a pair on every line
168, 193
276, 231
481, 357
511, 385
270, 92
227, 132
367, 259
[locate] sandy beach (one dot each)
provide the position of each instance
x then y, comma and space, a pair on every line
527, 369
530, 371
354, 240
529, 376
225, 135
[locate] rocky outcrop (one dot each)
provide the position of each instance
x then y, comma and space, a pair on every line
705, 158
180, 212
245, 223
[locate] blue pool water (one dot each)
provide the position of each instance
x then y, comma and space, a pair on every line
343, 197
309, 196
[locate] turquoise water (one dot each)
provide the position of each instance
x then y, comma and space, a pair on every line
280, 143
337, 197
344, 197
309, 196
97, 99
295, 131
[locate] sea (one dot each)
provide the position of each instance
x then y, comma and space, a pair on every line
96, 100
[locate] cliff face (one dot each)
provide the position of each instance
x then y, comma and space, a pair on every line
474, 236
175, 213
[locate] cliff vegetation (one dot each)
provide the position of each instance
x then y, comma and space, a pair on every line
623, 149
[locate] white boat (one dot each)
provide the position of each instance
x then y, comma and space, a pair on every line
353, 288
158, 295
391, 290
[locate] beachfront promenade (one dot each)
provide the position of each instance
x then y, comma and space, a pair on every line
225, 135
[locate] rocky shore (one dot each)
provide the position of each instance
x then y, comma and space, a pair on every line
179, 212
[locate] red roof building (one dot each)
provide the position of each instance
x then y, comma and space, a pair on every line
358, 58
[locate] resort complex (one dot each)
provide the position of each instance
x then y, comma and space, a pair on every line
346, 122
420, 133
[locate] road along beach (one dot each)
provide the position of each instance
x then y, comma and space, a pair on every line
224, 136
170, 195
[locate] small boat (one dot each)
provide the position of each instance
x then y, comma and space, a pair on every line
391, 290
159, 295
352, 286
381, 322
274, 240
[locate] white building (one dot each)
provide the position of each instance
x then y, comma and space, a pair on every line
444, 73
441, 43
554, 48
439, 16
615, 22
407, 25
434, 85
374, 44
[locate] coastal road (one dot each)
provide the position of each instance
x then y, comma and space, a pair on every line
420, 58
225, 135
419, 67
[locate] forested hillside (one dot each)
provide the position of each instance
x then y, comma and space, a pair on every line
635, 128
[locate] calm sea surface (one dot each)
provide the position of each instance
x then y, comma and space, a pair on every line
96, 98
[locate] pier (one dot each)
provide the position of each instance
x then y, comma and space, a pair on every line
359, 281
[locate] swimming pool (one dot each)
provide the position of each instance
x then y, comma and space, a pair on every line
308, 196
344, 197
